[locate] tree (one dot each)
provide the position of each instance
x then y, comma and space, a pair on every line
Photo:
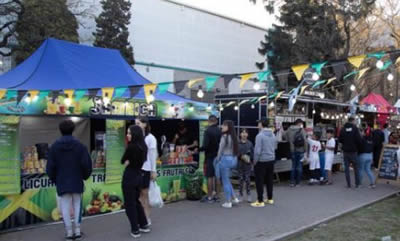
112, 27
40, 20
10, 10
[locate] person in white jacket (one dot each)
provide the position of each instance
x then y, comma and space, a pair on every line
149, 167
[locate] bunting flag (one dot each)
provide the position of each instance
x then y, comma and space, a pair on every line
2, 93
318, 83
11, 94
228, 79
261, 98
244, 78
318, 67
193, 81
79, 94
303, 89
230, 103
107, 92
398, 61
262, 76
55, 94
69, 93
118, 92
149, 89
350, 74
356, 61
243, 101
179, 86
93, 93
274, 95
299, 70
395, 56
279, 95
44, 93
329, 81
33, 94
362, 72
163, 87
377, 55
253, 100
210, 82
386, 65
20, 95
133, 91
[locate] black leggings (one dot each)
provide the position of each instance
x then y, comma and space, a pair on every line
264, 172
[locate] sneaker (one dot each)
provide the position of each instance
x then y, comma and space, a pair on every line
69, 237
145, 229
78, 237
249, 199
216, 199
135, 234
204, 199
292, 185
227, 205
235, 201
258, 204
372, 186
270, 201
148, 222
311, 182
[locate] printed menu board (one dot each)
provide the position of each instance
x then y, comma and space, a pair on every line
114, 147
388, 164
9, 156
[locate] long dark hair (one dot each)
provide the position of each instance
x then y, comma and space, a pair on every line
146, 121
138, 139
232, 133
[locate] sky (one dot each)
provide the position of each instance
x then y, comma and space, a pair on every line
241, 10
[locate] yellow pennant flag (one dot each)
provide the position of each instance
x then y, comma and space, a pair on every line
148, 90
303, 89
356, 61
2, 93
230, 103
193, 81
362, 72
329, 81
299, 70
244, 78
33, 93
262, 98
107, 92
279, 95
69, 93
398, 60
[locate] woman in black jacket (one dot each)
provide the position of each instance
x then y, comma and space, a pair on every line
133, 159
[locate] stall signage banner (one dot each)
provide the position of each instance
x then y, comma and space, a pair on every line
10, 173
115, 147
389, 163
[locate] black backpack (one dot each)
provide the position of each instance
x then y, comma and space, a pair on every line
298, 139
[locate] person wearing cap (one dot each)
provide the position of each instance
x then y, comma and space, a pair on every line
296, 136
350, 139
264, 159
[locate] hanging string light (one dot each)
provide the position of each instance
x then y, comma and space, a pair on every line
257, 86
390, 77
352, 87
315, 76
236, 107
313, 112
200, 92
253, 106
380, 64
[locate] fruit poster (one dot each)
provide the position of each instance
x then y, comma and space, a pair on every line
115, 147
9, 155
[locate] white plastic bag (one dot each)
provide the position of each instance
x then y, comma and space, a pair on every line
155, 198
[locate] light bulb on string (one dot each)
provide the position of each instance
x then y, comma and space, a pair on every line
221, 108
313, 111
253, 106
379, 64
352, 87
236, 107
315, 76
272, 104
390, 77
200, 93
322, 95
257, 86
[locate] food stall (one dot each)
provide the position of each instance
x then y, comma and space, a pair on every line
102, 94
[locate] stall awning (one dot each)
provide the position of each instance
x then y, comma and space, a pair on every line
376, 100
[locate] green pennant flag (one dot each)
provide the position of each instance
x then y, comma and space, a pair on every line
118, 92
79, 94
318, 83
377, 55
163, 87
11, 94
386, 65
262, 76
253, 100
318, 66
210, 82
273, 95
350, 74
43, 94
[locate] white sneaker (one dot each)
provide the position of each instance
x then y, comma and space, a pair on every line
227, 205
249, 199
235, 201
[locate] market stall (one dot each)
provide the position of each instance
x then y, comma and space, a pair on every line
377, 109
101, 93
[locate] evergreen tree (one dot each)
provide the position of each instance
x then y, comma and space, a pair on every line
42, 19
112, 27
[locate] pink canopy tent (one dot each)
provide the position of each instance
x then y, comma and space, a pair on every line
382, 106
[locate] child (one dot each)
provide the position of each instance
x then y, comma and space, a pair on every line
329, 154
313, 158
245, 162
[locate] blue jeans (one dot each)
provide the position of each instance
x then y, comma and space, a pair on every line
365, 160
227, 163
322, 164
297, 168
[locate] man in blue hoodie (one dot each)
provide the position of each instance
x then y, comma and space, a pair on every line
68, 165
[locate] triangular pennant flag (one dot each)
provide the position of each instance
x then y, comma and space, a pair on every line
20, 95
398, 61
330, 81
79, 94
119, 92
179, 86
261, 98
378, 55
163, 87
279, 95
386, 65
93, 93
253, 100
230, 103
33, 94
303, 89
350, 74
44, 93
273, 95
299, 70
318, 83
228, 79
362, 72
210, 82
244, 78
193, 81
149, 89
55, 94
11, 94
356, 61
133, 91
318, 67
394, 56
262, 76
2, 93
107, 92
243, 101
69, 93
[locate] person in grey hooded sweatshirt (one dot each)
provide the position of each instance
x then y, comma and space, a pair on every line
264, 159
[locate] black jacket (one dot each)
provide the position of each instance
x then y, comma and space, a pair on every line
367, 145
212, 136
68, 165
378, 137
136, 156
350, 138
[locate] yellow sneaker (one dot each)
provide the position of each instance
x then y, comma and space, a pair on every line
270, 201
258, 204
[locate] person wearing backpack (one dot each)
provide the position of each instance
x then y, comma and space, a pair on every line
296, 136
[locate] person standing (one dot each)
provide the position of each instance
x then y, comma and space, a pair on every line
245, 163
264, 159
378, 138
313, 158
149, 172
133, 159
68, 165
351, 141
227, 160
329, 155
212, 137
365, 158
296, 136
386, 132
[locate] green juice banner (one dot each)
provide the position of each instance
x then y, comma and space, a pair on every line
115, 147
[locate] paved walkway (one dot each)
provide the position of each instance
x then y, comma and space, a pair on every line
294, 209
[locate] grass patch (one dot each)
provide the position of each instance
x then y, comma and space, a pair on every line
370, 223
